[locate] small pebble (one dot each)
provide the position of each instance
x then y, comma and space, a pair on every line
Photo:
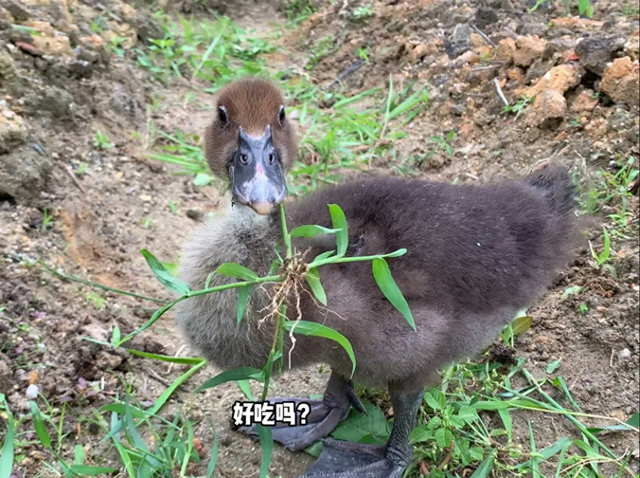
32, 392
624, 354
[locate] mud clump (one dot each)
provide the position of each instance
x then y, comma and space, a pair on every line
621, 80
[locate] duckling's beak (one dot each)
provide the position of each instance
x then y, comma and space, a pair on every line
257, 175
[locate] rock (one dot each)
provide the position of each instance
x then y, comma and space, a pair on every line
621, 81
458, 42
195, 214
486, 16
96, 331
17, 9
467, 57
586, 101
576, 23
56, 101
5, 373
476, 40
420, 51
596, 52
550, 105
632, 48
106, 360
528, 49
516, 74
13, 131
506, 49
32, 392
57, 46
624, 354
23, 174
559, 78
148, 28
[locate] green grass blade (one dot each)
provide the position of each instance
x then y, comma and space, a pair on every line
243, 299
311, 231
208, 52
318, 330
313, 279
235, 374
211, 467
167, 358
485, 468
340, 224
6, 459
163, 275
388, 286
90, 470
232, 269
162, 399
266, 440
38, 423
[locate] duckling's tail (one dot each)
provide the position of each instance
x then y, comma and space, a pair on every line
558, 187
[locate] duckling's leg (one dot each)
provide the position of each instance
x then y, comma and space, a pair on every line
341, 459
325, 415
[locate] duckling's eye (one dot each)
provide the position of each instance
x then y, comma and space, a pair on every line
281, 116
244, 159
271, 158
223, 117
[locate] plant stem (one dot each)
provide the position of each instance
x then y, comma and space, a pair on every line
233, 285
286, 237
61, 275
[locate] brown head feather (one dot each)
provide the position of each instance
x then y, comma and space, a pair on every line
252, 103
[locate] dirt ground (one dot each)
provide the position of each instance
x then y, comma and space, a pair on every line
57, 94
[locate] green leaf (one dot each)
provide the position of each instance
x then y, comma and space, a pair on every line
389, 288
521, 324
232, 269
443, 437
535, 468
38, 422
6, 459
164, 276
505, 416
245, 388
211, 467
202, 179
243, 299
634, 422
241, 373
130, 428
553, 366
339, 222
398, 253
468, 414
115, 337
571, 290
266, 441
167, 358
90, 470
313, 279
171, 267
485, 468
311, 230
435, 399
323, 256
419, 434
371, 427
318, 330
78, 455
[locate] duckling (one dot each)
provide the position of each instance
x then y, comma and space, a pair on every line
476, 256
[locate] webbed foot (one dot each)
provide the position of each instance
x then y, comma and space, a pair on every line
341, 459
321, 421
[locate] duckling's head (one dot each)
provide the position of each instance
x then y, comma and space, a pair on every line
251, 143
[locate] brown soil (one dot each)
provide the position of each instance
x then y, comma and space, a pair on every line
100, 219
